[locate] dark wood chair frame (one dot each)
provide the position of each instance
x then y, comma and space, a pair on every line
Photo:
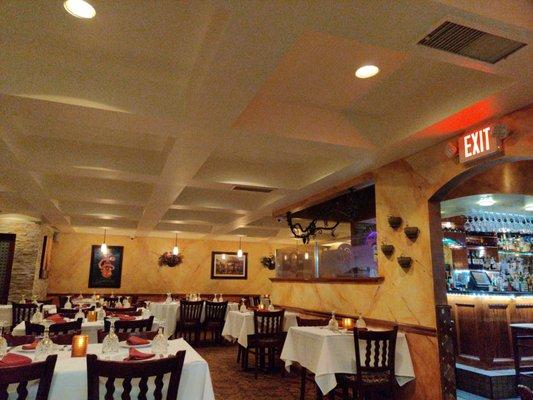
189, 324
125, 335
140, 325
18, 340
522, 347
129, 370
22, 312
215, 315
43, 371
55, 329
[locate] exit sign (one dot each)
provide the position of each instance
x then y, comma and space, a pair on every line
478, 144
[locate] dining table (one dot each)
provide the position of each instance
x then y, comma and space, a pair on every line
169, 313
239, 325
89, 328
6, 312
325, 353
70, 374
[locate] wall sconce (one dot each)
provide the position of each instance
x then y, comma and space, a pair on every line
387, 249
404, 261
411, 232
395, 222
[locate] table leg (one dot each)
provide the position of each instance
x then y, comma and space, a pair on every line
302, 383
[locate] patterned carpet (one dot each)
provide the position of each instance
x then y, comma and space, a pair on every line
231, 383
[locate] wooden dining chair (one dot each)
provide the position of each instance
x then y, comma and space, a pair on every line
21, 375
139, 325
525, 392
375, 356
55, 329
522, 348
267, 338
62, 301
18, 340
311, 321
149, 335
124, 311
189, 323
215, 315
126, 370
22, 312
64, 338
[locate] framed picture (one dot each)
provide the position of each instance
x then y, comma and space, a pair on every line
46, 256
226, 265
105, 271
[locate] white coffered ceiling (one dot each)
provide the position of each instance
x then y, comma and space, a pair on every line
144, 118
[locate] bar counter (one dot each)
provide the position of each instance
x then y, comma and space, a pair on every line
482, 321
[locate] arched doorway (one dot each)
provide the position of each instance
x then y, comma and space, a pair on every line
467, 182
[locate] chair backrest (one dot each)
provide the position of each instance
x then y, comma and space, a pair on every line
43, 371
375, 351
150, 335
525, 393
18, 340
190, 311
522, 348
268, 322
67, 312
311, 321
62, 301
128, 371
254, 301
125, 311
215, 311
22, 312
61, 328
140, 325
65, 338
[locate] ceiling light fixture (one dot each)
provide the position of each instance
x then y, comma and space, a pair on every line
529, 207
103, 247
366, 71
239, 252
176, 250
79, 9
486, 201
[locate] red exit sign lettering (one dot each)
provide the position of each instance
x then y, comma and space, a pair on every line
478, 144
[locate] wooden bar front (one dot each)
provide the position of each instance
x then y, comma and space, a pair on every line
483, 327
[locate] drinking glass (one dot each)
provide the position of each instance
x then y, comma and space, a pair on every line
110, 345
45, 347
3, 341
160, 342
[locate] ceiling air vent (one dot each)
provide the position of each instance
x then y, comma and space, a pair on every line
469, 42
258, 189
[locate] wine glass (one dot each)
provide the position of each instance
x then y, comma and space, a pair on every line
45, 347
110, 345
3, 341
160, 342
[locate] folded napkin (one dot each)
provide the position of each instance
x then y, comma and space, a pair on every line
31, 346
136, 341
124, 317
56, 318
138, 355
13, 360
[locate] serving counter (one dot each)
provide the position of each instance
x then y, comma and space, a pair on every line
482, 321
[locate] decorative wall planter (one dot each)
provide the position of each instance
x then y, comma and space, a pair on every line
411, 232
387, 249
404, 261
395, 222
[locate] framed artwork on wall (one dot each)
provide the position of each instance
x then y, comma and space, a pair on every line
105, 271
46, 257
226, 265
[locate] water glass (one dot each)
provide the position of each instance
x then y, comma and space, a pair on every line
160, 343
3, 341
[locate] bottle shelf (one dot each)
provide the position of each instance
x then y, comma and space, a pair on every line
512, 252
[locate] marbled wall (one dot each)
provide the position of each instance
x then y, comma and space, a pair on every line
140, 273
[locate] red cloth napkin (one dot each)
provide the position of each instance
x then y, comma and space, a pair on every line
56, 318
138, 355
13, 360
31, 346
135, 341
124, 317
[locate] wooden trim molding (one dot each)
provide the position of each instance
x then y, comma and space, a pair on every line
407, 328
362, 279
357, 182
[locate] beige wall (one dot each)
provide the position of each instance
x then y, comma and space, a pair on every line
140, 273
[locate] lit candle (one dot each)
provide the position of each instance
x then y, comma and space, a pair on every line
261, 307
79, 345
347, 323
92, 316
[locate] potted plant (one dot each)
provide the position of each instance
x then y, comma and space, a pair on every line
170, 260
269, 262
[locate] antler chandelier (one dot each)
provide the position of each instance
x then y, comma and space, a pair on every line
311, 230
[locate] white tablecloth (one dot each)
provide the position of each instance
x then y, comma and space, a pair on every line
326, 353
170, 313
87, 328
239, 325
70, 376
524, 325
6, 313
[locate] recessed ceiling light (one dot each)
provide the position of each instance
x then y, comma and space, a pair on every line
366, 71
79, 8
529, 207
486, 201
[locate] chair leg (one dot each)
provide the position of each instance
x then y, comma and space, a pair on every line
239, 352
318, 393
302, 382
258, 355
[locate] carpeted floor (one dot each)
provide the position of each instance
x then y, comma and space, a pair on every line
231, 383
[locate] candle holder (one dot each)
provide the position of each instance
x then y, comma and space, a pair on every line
347, 323
92, 316
79, 345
